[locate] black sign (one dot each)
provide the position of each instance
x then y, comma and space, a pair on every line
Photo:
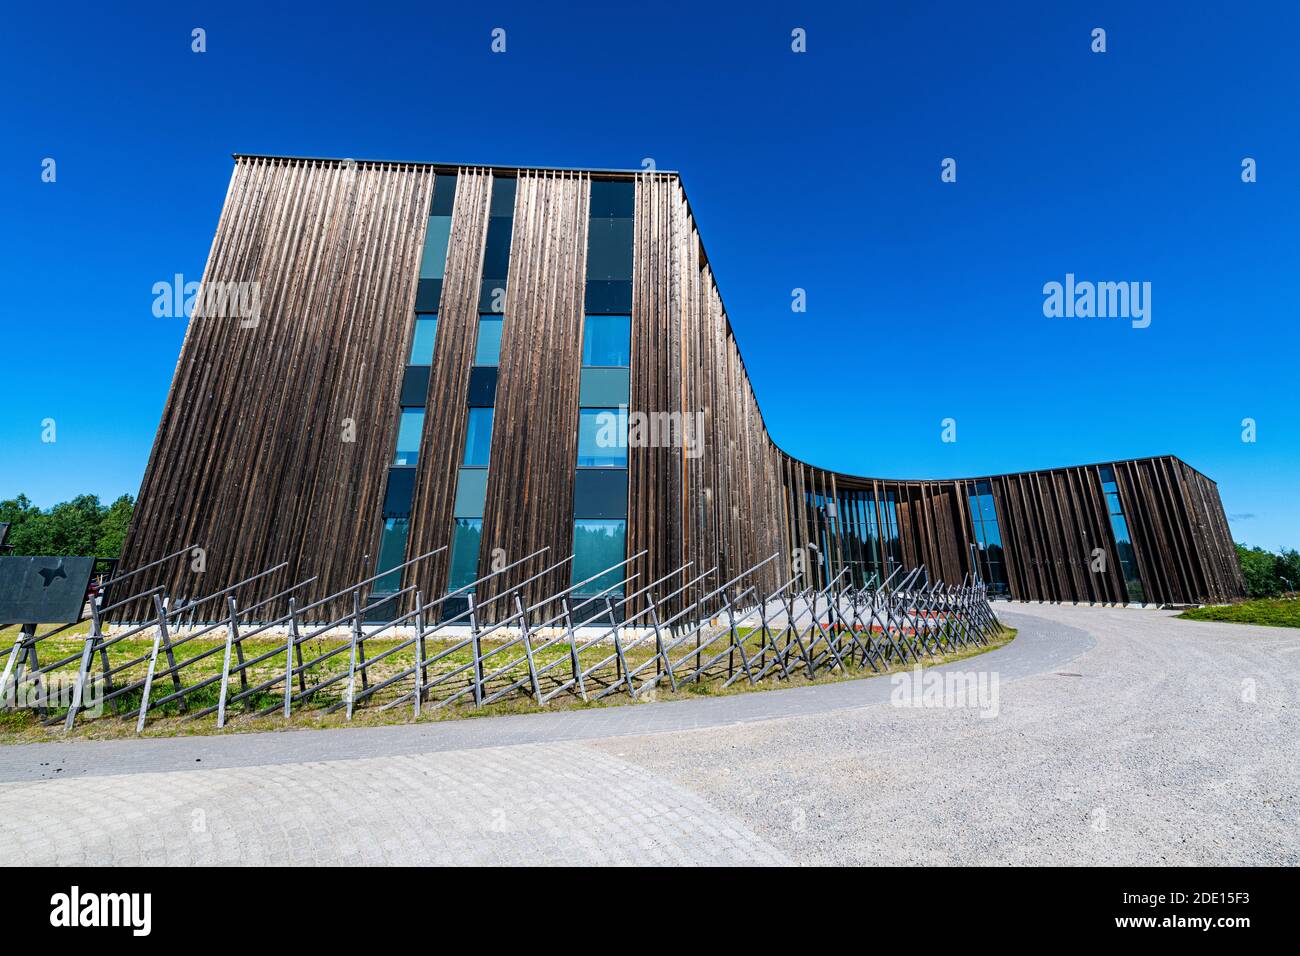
43, 590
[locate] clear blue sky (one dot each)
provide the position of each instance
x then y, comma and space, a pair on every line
818, 171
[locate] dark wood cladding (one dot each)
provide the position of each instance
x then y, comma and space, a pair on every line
723, 508
1051, 523
534, 453
250, 461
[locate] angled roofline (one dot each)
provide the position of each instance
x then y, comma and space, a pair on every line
618, 174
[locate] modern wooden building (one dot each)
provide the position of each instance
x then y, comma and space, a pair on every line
502, 360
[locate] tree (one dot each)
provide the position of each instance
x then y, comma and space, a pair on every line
1260, 569
113, 527
81, 526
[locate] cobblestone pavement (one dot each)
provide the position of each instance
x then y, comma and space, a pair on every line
1121, 736
557, 803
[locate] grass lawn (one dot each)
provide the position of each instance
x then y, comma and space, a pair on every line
1274, 612
23, 726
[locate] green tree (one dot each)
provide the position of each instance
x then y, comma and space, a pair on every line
1288, 569
113, 527
80, 526
1259, 567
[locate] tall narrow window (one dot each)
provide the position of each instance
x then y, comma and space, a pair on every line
987, 537
471, 481
414, 392
1123, 542
410, 428
600, 487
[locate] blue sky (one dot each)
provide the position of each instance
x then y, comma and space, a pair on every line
818, 171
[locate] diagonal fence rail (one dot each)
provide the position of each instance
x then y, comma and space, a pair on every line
458, 651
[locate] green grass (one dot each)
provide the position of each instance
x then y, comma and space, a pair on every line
22, 726
1273, 612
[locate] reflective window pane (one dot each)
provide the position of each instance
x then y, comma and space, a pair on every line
482, 387
503, 197
392, 553
599, 493
607, 340
466, 538
409, 429
398, 494
415, 384
609, 249
426, 327
444, 194
471, 492
434, 262
603, 387
478, 437
602, 438
598, 545
496, 249
488, 349
611, 198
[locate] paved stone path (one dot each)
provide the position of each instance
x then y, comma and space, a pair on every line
1121, 736
553, 803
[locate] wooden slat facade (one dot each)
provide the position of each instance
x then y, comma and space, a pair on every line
249, 461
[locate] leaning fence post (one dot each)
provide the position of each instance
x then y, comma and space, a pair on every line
10, 664
153, 663
662, 663
573, 649
232, 623
171, 666
419, 652
528, 647
289, 648
87, 654
476, 645
352, 658
623, 674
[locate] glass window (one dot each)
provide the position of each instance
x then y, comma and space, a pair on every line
608, 296
466, 538
612, 198
478, 437
600, 493
434, 263
409, 430
471, 492
609, 249
488, 349
598, 545
603, 387
607, 340
426, 327
482, 387
415, 385
602, 438
444, 194
503, 197
392, 553
496, 249
398, 494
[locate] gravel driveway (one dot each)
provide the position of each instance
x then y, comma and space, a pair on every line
1167, 742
